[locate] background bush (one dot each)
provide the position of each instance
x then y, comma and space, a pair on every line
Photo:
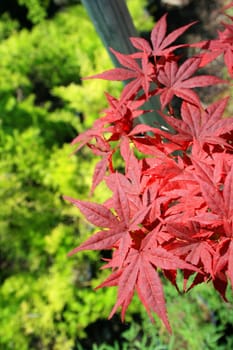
47, 300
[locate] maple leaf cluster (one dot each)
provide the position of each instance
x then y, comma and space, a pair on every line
172, 207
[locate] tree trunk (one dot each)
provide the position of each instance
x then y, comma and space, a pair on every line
114, 25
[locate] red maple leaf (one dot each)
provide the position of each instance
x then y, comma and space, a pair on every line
117, 226
119, 117
193, 243
172, 198
219, 46
160, 42
144, 73
140, 73
100, 216
139, 273
203, 126
178, 81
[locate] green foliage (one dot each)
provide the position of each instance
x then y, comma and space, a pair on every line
39, 10
7, 26
141, 17
200, 312
36, 9
45, 297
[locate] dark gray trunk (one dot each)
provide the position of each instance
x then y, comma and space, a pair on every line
114, 25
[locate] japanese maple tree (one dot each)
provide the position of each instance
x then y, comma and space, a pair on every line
171, 207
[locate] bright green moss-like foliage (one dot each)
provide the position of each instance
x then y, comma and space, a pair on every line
40, 300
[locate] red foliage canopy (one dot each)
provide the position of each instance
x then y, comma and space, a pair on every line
172, 208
